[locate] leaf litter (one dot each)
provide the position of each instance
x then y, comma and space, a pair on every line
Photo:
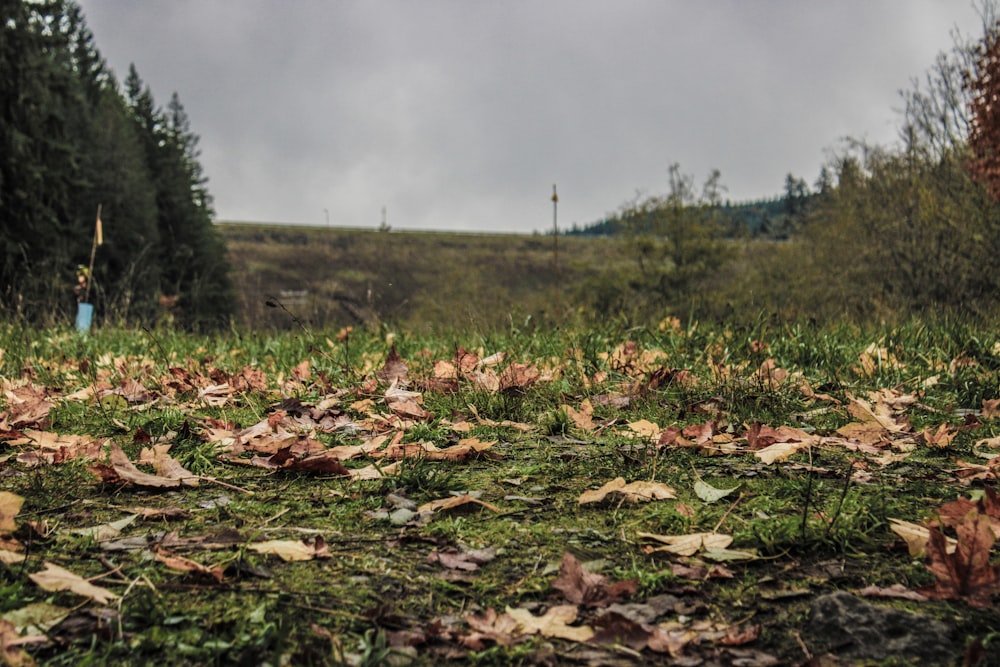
397, 424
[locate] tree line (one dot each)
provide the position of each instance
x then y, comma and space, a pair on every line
72, 139
887, 232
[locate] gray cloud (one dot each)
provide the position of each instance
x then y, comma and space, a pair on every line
461, 115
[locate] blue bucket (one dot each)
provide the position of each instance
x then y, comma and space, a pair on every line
84, 316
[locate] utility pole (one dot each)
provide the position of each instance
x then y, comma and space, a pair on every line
555, 247
327, 212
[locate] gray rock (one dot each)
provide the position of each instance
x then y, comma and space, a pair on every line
851, 628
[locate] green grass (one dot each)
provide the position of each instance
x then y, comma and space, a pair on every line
378, 599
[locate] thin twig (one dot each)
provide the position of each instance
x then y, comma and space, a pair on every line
225, 484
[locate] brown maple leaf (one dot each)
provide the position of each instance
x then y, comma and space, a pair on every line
588, 588
614, 628
394, 370
518, 377
966, 573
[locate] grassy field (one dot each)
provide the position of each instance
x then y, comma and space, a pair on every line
421, 280
681, 495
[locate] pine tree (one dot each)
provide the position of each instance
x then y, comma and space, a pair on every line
191, 253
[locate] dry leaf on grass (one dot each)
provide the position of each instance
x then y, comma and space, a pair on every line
614, 628
123, 470
11, 653
780, 451
711, 494
293, 550
895, 591
588, 588
965, 574
466, 559
183, 564
582, 418
10, 505
644, 429
455, 502
497, 628
55, 578
556, 622
688, 545
632, 492
916, 536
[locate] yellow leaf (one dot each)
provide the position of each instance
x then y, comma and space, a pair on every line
689, 545
916, 537
55, 578
633, 492
10, 557
453, 502
553, 623
292, 550
10, 505
645, 429
779, 451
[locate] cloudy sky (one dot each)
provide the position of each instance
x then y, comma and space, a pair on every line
462, 114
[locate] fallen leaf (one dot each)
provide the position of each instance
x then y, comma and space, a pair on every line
105, 531
8, 557
780, 451
760, 436
394, 370
55, 578
498, 628
123, 470
616, 628
966, 573
895, 591
645, 429
553, 623
711, 494
466, 559
632, 492
582, 418
941, 437
916, 537
166, 466
292, 550
588, 588
688, 545
183, 564
11, 653
10, 505
454, 502
517, 377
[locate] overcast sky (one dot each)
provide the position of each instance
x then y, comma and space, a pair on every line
462, 114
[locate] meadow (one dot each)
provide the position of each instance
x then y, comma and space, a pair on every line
691, 494
422, 281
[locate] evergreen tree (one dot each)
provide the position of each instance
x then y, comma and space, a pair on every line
191, 252
70, 142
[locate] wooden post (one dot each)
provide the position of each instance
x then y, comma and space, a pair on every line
93, 253
555, 248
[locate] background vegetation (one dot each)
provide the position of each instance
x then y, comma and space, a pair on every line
72, 140
884, 233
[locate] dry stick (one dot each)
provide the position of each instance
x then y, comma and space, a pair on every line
728, 511
221, 483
